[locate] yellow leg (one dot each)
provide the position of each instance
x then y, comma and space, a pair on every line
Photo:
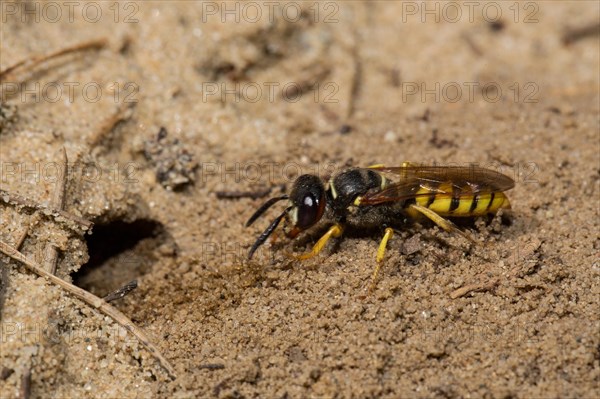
380, 255
440, 221
381, 251
334, 231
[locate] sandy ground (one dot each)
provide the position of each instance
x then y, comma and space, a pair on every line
248, 106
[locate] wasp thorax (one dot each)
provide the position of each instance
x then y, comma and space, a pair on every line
307, 200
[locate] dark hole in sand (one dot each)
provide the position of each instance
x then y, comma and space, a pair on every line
119, 252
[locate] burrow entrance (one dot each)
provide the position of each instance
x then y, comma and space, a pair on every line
119, 252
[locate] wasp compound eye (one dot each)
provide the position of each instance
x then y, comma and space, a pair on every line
308, 201
309, 212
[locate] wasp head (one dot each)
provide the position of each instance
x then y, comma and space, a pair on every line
306, 206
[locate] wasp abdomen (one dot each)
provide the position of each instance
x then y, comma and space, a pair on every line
447, 200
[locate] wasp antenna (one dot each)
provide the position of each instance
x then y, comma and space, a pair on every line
263, 208
265, 234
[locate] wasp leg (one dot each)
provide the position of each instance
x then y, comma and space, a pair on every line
334, 231
440, 221
380, 255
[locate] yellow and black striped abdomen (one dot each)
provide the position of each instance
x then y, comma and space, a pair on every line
447, 200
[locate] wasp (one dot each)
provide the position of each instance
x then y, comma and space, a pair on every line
380, 197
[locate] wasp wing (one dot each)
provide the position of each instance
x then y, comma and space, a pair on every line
421, 181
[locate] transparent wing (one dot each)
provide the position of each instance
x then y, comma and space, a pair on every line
457, 181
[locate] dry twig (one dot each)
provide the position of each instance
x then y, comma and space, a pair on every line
22, 237
5, 373
122, 114
25, 389
243, 194
39, 59
575, 34
92, 300
472, 44
3, 288
58, 202
483, 286
212, 366
58, 199
355, 87
121, 292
